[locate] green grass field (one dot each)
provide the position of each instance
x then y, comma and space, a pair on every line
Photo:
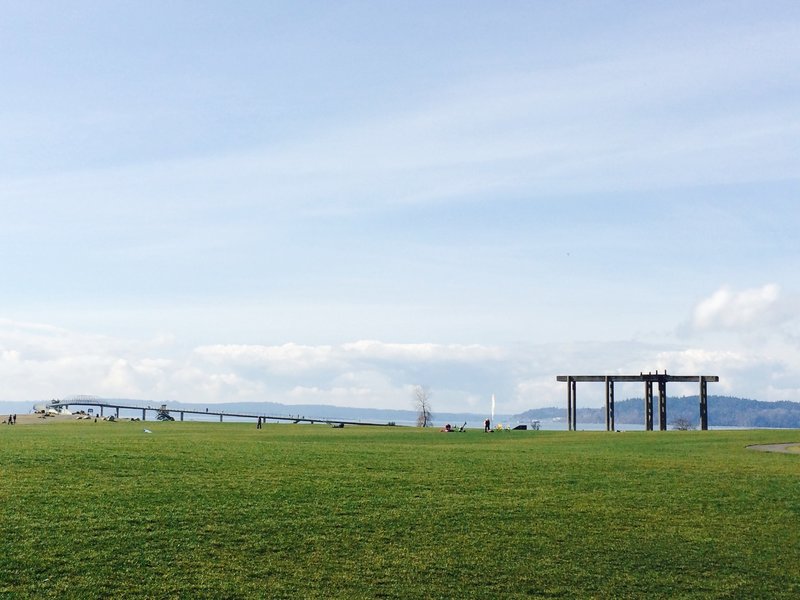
209, 510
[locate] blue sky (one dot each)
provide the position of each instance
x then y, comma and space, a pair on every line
333, 202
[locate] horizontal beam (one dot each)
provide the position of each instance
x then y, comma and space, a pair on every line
643, 377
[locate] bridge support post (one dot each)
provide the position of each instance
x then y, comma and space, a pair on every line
144, 414
220, 417
703, 404
662, 405
648, 406
117, 412
181, 415
101, 410
609, 404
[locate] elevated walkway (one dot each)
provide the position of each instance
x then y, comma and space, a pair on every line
115, 407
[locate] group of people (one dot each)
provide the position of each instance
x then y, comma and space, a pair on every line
487, 427
451, 428
12, 420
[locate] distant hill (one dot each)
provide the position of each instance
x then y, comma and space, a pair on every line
723, 411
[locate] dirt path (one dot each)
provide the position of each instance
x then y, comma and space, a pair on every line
791, 448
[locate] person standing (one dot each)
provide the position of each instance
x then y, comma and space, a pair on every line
487, 426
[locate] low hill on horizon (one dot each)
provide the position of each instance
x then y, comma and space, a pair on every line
723, 411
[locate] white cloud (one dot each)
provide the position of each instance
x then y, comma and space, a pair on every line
361, 389
753, 372
39, 362
727, 309
286, 358
373, 349
539, 392
296, 358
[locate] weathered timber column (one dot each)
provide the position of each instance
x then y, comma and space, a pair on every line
703, 404
609, 404
662, 404
572, 411
569, 403
648, 406
574, 385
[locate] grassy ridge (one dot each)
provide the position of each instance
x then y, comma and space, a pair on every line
94, 510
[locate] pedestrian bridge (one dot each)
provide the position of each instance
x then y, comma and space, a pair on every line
114, 406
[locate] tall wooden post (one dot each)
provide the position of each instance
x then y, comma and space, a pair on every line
662, 405
609, 404
572, 405
117, 410
569, 403
648, 405
144, 414
703, 404
181, 415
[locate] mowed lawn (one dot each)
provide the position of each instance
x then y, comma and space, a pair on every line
209, 510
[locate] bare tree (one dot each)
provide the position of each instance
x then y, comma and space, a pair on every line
422, 403
682, 424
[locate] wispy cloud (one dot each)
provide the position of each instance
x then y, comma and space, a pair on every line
646, 119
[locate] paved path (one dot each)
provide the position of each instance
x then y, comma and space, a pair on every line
792, 448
